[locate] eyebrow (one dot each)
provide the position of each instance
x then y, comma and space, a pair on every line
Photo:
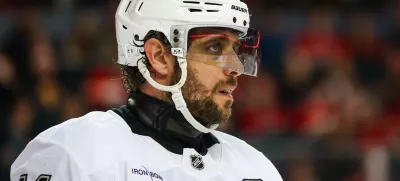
226, 36
223, 36
208, 38
216, 39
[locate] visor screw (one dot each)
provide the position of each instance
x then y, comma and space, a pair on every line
137, 37
176, 32
176, 39
244, 22
234, 19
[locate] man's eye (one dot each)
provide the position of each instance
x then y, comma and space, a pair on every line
215, 48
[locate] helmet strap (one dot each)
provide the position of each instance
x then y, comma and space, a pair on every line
177, 96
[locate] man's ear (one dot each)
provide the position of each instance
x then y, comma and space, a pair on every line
157, 56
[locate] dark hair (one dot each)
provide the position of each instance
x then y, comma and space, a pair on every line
133, 79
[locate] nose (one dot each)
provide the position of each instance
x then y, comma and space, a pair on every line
235, 66
231, 73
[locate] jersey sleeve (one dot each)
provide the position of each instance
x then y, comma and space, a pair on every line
46, 160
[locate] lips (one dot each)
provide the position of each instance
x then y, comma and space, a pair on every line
227, 90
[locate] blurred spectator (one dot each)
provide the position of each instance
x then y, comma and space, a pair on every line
17, 47
300, 74
321, 110
73, 107
7, 86
47, 89
321, 40
259, 112
390, 86
103, 88
81, 45
367, 49
20, 124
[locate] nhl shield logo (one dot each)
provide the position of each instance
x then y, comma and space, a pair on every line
197, 162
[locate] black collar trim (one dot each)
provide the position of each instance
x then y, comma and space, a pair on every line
159, 120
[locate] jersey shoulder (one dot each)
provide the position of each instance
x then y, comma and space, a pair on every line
89, 127
243, 149
85, 139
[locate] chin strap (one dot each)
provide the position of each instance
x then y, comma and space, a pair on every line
177, 96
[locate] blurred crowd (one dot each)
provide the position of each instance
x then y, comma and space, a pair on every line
324, 107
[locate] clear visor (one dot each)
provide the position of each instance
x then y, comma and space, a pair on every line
226, 49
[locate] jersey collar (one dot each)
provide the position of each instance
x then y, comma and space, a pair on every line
152, 117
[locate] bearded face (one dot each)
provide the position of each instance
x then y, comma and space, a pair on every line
208, 88
208, 104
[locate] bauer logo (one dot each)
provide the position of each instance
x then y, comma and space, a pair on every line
237, 8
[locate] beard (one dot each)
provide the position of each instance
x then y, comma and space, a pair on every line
199, 99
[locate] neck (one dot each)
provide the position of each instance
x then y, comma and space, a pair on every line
153, 92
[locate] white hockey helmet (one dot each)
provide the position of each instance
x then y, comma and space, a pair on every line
175, 19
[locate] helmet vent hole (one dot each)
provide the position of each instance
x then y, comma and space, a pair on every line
123, 26
212, 11
191, 2
128, 6
140, 7
195, 10
215, 4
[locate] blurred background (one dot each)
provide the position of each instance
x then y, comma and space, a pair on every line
325, 107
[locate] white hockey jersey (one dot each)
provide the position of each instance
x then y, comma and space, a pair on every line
100, 146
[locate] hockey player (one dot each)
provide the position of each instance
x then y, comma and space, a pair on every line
181, 60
